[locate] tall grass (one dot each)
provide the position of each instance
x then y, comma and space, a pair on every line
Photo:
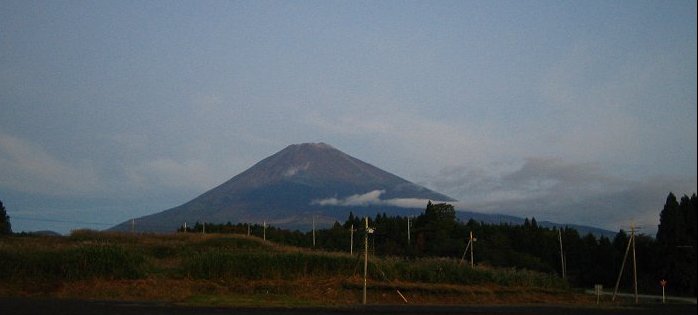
89, 254
450, 271
254, 266
82, 262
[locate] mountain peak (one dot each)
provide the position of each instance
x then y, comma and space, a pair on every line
311, 145
288, 186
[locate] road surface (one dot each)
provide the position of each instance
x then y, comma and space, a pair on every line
26, 306
648, 297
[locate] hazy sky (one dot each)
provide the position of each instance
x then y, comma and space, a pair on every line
570, 111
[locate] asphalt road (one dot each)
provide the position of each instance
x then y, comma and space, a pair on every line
22, 306
648, 297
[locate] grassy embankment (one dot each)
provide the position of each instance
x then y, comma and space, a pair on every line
200, 269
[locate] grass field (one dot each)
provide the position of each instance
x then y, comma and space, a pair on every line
236, 270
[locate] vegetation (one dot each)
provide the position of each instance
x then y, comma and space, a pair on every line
235, 269
589, 260
5, 226
513, 263
676, 243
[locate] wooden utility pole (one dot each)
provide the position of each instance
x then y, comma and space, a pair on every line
631, 243
264, 229
351, 240
133, 225
203, 228
365, 256
313, 231
471, 245
472, 249
408, 231
563, 266
248, 229
632, 238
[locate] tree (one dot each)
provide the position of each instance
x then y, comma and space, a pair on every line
435, 230
677, 239
669, 221
5, 226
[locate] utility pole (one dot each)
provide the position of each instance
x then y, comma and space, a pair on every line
562, 255
185, 226
365, 256
203, 228
133, 225
472, 249
248, 229
632, 237
264, 229
368, 231
471, 246
313, 231
408, 231
631, 243
351, 240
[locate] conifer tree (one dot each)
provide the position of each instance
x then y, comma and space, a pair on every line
5, 226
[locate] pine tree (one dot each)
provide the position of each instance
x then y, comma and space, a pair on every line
668, 221
676, 238
5, 226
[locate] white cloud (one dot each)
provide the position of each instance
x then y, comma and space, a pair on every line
555, 190
291, 171
369, 198
166, 173
27, 167
373, 198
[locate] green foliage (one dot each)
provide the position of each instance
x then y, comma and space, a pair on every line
435, 230
255, 266
83, 262
589, 260
5, 226
288, 266
677, 241
450, 271
40, 261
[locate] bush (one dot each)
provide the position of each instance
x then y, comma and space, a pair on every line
440, 270
84, 262
221, 265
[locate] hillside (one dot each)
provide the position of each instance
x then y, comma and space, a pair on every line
303, 182
234, 270
289, 187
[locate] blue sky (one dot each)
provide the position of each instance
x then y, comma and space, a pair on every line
569, 111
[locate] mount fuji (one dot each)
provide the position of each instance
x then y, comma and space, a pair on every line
299, 184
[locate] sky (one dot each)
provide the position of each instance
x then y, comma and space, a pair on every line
568, 111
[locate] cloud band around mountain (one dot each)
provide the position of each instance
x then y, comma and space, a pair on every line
373, 198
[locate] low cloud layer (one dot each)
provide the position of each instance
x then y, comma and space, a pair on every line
27, 167
555, 190
372, 198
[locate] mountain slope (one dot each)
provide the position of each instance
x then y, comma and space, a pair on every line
304, 182
291, 186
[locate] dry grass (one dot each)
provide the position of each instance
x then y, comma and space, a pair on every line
308, 292
301, 277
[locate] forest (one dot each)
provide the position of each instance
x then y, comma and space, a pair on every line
587, 260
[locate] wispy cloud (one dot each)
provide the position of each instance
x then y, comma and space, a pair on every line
27, 167
291, 171
167, 173
372, 198
556, 190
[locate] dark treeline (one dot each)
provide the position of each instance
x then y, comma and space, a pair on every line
588, 259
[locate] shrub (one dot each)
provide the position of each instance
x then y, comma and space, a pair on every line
211, 265
84, 262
